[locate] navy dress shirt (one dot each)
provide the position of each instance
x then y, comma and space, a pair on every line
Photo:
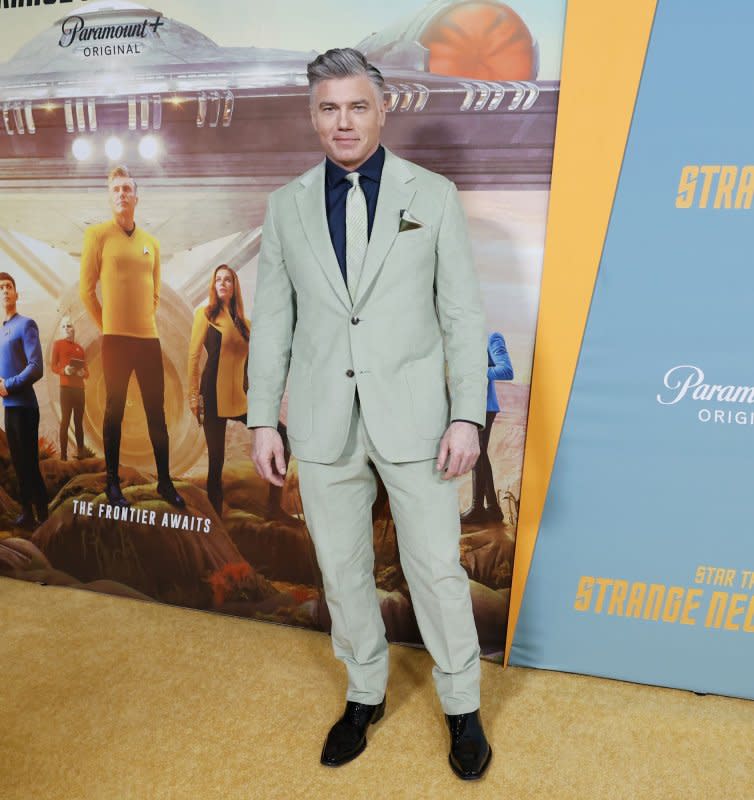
336, 190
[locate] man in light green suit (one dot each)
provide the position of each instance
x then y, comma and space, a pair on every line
368, 304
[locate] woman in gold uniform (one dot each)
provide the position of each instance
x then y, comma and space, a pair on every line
219, 394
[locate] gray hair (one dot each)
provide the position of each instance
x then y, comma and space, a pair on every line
343, 62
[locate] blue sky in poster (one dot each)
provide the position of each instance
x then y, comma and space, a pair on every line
291, 24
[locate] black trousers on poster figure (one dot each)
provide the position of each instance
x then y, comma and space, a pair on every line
122, 355
72, 401
482, 479
22, 431
214, 433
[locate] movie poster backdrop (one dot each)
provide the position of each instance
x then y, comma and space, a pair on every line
206, 103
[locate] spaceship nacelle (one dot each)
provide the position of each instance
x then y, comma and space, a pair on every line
480, 39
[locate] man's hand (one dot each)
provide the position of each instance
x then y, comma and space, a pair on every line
268, 455
3, 390
69, 370
81, 373
459, 449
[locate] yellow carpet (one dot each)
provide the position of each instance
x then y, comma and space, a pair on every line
110, 698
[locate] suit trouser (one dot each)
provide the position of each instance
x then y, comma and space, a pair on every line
122, 355
337, 502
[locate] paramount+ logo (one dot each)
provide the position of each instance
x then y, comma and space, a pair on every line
125, 38
718, 403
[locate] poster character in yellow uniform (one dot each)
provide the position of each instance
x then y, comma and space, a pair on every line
125, 261
219, 394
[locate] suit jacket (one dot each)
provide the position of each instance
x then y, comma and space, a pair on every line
499, 368
412, 339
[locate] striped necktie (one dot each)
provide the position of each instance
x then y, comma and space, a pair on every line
357, 232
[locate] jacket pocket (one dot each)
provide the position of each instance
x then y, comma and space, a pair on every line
299, 401
429, 396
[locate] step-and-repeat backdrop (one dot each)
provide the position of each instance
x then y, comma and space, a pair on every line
206, 104
642, 565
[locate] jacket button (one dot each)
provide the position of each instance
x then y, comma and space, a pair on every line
355, 320
350, 373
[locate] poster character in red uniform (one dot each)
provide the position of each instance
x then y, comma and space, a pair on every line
69, 361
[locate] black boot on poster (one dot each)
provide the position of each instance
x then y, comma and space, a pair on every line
275, 509
25, 520
169, 493
114, 495
470, 753
348, 736
475, 514
42, 512
215, 498
493, 513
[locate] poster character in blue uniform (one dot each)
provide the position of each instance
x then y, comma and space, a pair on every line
20, 368
499, 368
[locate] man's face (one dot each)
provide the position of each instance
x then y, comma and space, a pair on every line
8, 294
123, 197
348, 119
67, 329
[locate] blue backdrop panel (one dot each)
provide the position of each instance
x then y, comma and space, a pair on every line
642, 568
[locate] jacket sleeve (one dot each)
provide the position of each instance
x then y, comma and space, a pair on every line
91, 263
198, 335
34, 369
459, 309
502, 369
272, 323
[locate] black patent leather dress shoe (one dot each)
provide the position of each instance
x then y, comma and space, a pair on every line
115, 496
348, 736
169, 494
470, 753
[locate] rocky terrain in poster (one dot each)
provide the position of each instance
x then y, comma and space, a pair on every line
244, 562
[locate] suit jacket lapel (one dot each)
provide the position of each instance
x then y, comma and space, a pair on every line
396, 193
311, 208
